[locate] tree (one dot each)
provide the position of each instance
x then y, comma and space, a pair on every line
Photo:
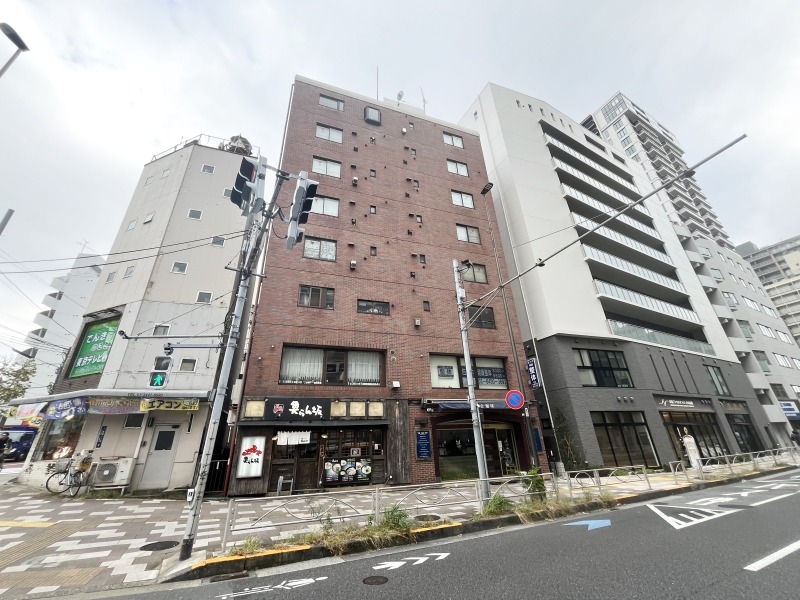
14, 378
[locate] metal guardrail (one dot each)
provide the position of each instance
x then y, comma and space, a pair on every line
734, 462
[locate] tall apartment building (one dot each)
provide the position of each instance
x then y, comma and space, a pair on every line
61, 322
633, 354
725, 275
632, 131
165, 276
356, 372
778, 268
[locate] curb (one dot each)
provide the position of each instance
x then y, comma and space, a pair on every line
229, 565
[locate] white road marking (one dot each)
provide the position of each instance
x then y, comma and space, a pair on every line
771, 558
771, 499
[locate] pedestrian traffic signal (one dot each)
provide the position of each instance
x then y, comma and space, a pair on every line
158, 376
302, 202
244, 184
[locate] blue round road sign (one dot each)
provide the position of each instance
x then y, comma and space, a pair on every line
515, 399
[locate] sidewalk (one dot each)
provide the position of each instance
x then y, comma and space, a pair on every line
56, 545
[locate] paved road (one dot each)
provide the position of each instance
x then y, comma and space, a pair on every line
736, 541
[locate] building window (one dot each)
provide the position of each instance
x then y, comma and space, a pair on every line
413, 152
148, 217
763, 361
476, 273
602, 368
316, 297
111, 277
750, 303
373, 173
624, 438
731, 299
422, 259
149, 180
482, 318
129, 271
179, 267
779, 390
319, 249
330, 366
195, 214
226, 192
715, 373
767, 310
453, 140
419, 218
329, 133
373, 307
329, 102
783, 360
717, 274
134, 421
704, 251
188, 365
161, 330
327, 167
373, 210
373, 251
746, 328
164, 173
426, 306
458, 168
796, 389
372, 115
450, 372
462, 199
415, 183
322, 205
203, 298
218, 240
784, 337
465, 233
131, 224
766, 330
209, 169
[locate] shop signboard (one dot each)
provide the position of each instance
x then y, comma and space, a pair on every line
423, 443
113, 406
93, 352
790, 409
692, 453
167, 404
302, 409
685, 404
251, 457
533, 373
352, 469
61, 409
26, 411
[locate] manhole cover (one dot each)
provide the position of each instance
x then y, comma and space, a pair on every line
165, 545
375, 580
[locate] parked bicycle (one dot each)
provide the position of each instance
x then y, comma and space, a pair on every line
70, 475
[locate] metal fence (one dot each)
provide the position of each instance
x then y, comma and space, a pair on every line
733, 463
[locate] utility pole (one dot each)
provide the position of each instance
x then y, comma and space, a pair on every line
253, 176
6, 219
477, 429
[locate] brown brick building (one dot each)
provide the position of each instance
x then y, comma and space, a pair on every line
355, 371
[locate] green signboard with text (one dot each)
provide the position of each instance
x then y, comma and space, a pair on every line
93, 352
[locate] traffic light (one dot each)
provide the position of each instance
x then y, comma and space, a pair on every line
244, 185
302, 202
158, 376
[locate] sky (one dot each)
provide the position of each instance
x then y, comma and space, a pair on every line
107, 85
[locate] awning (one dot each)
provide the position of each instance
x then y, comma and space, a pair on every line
314, 424
143, 394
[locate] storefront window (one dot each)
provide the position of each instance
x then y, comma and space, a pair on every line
701, 426
624, 439
60, 437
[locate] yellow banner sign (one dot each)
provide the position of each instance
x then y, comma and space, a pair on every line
169, 404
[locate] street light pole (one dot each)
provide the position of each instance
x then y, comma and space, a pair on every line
17, 41
477, 429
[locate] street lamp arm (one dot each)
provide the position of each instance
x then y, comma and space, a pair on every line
689, 172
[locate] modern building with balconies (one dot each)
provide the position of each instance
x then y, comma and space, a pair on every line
633, 353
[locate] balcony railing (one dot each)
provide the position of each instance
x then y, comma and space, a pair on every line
623, 239
654, 336
643, 301
597, 184
633, 268
605, 208
593, 164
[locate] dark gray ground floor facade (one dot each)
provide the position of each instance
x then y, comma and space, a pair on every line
615, 402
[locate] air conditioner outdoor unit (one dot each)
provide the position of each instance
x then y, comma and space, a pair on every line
113, 472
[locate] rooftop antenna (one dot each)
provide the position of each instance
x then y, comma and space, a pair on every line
83, 243
377, 95
424, 102
399, 97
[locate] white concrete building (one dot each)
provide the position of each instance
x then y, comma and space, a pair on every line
61, 322
633, 354
166, 276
